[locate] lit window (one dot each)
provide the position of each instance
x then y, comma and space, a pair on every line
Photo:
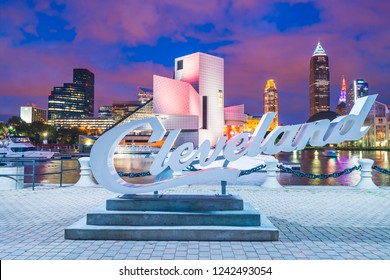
220, 99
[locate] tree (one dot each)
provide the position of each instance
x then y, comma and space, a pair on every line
36, 131
20, 126
68, 136
2, 130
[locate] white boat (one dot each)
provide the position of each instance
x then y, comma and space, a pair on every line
133, 149
329, 153
20, 147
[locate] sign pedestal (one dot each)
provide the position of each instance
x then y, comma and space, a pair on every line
174, 217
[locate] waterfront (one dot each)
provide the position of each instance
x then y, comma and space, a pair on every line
322, 223
311, 161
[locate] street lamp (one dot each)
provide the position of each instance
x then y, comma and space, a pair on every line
45, 138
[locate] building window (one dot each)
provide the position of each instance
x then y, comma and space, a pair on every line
220, 99
179, 65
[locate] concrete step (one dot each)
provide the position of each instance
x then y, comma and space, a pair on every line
174, 217
175, 202
81, 231
247, 217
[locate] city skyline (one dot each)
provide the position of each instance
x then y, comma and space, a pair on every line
43, 41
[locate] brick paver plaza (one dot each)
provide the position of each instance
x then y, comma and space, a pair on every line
314, 223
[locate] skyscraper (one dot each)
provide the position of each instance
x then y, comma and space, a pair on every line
341, 107
271, 101
319, 81
86, 78
358, 88
73, 100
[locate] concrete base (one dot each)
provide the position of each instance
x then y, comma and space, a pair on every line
174, 217
175, 202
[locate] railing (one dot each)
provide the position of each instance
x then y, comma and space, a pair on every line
11, 162
365, 166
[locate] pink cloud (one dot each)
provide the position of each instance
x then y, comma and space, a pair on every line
355, 35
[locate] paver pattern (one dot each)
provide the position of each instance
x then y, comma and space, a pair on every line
314, 223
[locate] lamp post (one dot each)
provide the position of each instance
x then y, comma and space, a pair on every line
45, 138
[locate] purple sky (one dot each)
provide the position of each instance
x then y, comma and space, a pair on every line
125, 42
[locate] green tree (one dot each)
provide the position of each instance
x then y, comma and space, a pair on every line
68, 136
20, 126
36, 131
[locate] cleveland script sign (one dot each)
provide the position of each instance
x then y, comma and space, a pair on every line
295, 137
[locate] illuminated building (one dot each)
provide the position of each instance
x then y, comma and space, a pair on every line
86, 78
144, 94
105, 112
205, 73
175, 101
93, 124
193, 101
271, 102
32, 114
73, 100
379, 133
341, 107
251, 123
142, 112
319, 81
120, 109
186, 122
358, 88
235, 120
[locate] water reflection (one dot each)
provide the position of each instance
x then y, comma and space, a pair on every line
311, 161
134, 163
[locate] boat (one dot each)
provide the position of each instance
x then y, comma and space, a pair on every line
329, 153
133, 149
21, 147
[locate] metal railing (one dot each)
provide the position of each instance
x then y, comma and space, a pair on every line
14, 162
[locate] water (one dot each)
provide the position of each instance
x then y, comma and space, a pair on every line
311, 161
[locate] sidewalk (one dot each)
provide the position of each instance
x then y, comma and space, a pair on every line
314, 223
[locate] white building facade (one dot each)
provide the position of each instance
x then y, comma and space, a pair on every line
32, 114
205, 73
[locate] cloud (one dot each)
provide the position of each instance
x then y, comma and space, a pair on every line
125, 42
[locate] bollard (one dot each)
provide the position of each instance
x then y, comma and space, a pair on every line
85, 174
271, 181
365, 174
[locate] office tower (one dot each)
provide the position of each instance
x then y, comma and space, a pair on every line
341, 107
358, 88
271, 101
86, 78
73, 100
319, 81
31, 114
206, 75
144, 94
